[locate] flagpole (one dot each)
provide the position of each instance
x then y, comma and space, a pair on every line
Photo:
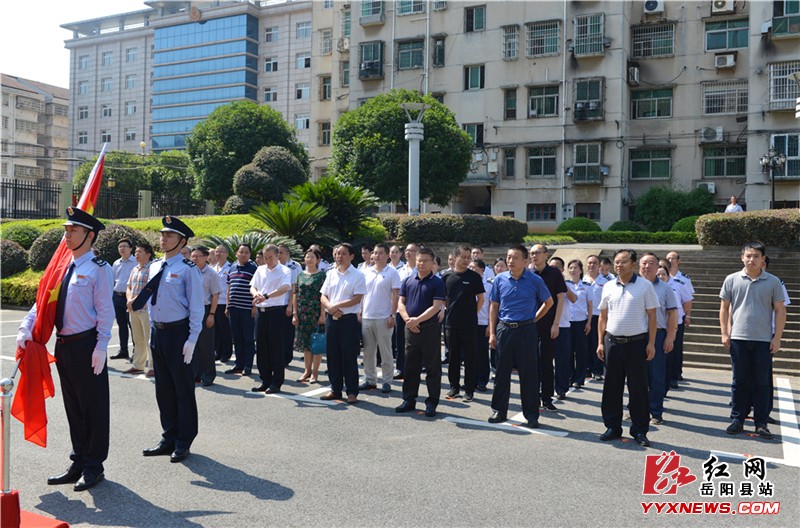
7, 388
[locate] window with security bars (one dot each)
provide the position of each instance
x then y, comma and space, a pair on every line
410, 55
541, 162
724, 162
509, 165
726, 35
725, 98
325, 41
783, 91
588, 99
586, 167
542, 38
651, 104
588, 35
510, 42
653, 41
588, 210
543, 101
651, 164
788, 145
541, 212
407, 7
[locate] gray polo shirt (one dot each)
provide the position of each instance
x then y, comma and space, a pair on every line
752, 304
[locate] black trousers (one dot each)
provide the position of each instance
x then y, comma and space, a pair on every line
423, 348
626, 361
288, 338
595, 366
462, 347
174, 386
547, 352
399, 343
270, 353
482, 355
517, 347
341, 346
203, 359
223, 341
123, 319
86, 401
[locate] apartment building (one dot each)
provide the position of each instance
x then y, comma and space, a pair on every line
142, 80
577, 108
34, 130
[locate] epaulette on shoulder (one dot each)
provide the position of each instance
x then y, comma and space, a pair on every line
687, 276
679, 281
782, 283
100, 262
189, 263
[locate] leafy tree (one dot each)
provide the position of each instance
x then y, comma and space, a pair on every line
294, 218
370, 150
230, 137
167, 173
272, 173
660, 207
347, 206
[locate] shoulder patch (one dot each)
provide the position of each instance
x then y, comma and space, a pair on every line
679, 281
100, 262
685, 275
189, 263
782, 283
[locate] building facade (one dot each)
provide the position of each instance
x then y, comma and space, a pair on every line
575, 108
34, 130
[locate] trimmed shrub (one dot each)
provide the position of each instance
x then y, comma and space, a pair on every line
13, 258
281, 165
660, 207
634, 237
685, 225
578, 224
777, 228
371, 232
624, 225
108, 240
253, 183
43, 248
20, 290
390, 222
237, 205
475, 229
22, 234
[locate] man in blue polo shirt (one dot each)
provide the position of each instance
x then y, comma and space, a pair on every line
421, 298
518, 299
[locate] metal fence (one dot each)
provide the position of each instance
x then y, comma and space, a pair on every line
29, 199
113, 204
174, 205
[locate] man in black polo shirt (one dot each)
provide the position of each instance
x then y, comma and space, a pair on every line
547, 326
465, 291
421, 298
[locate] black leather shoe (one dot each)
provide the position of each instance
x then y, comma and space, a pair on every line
68, 477
735, 427
610, 434
430, 410
497, 417
641, 439
771, 420
406, 406
367, 386
247, 372
261, 388
159, 450
88, 481
179, 454
531, 425
234, 370
272, 390
120, 355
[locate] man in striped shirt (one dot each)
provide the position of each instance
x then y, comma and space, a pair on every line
241, 311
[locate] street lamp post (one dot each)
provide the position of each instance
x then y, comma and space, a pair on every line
771, 161
415, 133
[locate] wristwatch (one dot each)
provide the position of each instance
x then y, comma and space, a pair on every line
266, 296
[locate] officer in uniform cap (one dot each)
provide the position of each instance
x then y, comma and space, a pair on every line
175, 297
82, 335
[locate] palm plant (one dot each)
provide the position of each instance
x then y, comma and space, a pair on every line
293, 218
256, 241
347, 206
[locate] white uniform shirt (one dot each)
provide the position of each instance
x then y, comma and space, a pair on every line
340, 287
597, 291
565, 313
579, 309
267, 280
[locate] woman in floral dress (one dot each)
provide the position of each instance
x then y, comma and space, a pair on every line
308, 314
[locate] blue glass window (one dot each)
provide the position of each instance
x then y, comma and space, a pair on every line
215, 30
184, 112
171, 127
202, 81
211, 65
206, 52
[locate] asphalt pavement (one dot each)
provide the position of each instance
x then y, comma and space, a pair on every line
293, 460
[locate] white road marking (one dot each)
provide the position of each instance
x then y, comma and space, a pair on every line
304, 399
504, 426
314, 392
790, 433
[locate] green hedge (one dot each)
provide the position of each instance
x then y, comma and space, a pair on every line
20, 289
472, 228
779, 228
685, 225
43, 248
22, 234
624, 225
13, 258
634, 237
548, 239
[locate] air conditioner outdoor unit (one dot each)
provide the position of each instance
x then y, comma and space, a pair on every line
725, 61
652, 7
712, 135
709, 186
492, 167
633, 76
344, 44
722, 7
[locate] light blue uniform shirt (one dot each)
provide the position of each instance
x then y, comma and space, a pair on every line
122, 272
88, 302
180, 294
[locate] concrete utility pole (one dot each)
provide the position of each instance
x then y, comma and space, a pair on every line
415, 133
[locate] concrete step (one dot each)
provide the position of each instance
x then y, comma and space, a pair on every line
707, 317
700, 356
710, 334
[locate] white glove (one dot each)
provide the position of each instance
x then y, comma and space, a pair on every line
23, 337
98, 361
188, 352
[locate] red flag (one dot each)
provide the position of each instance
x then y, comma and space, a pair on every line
36, 381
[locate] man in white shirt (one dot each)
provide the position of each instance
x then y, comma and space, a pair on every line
342, 291
734, 207
270, 288
378, 310
223, 340
203, 359
675, 359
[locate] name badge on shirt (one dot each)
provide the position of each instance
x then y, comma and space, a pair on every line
173, 278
